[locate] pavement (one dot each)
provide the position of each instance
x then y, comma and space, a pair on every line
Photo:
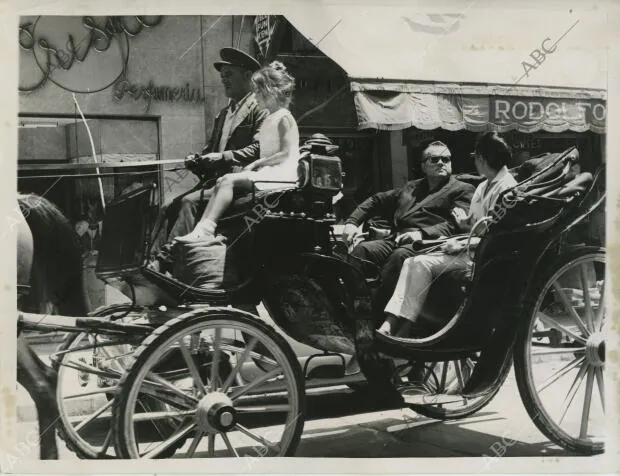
338, 425
341, 424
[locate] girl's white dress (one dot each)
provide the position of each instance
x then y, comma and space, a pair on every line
271, 142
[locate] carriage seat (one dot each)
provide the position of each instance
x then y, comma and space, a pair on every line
257, 201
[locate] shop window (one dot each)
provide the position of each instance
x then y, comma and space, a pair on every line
48, 141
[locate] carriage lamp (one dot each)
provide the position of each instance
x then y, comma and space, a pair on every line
320, 173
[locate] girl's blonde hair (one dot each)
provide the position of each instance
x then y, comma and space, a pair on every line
275, 81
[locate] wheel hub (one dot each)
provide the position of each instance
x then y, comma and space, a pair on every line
215, 413
595, 350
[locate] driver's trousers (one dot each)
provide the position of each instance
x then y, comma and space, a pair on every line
178, 217
389, 257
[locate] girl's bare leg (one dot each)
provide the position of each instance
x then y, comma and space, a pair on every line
223, 196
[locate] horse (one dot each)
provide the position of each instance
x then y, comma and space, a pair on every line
49, 278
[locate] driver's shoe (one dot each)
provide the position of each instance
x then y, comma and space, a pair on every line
162, 261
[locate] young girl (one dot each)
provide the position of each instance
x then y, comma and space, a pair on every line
279, 150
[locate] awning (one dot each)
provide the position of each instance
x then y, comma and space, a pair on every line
392, 111
429, 67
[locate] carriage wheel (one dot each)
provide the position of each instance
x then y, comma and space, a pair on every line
551, 373
217, 416
450, 377
87, 383
85, 398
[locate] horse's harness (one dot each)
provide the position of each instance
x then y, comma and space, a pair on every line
22, 291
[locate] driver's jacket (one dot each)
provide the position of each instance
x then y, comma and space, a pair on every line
413, 207
242, 143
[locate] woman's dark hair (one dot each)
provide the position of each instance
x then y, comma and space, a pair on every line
493, 149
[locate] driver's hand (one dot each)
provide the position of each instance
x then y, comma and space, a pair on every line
349, 233
191, 161
408, 237
453, 246
212, 157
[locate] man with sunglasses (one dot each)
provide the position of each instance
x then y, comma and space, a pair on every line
421, 209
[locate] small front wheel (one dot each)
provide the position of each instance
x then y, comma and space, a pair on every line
450, 377
191, 366
560, 377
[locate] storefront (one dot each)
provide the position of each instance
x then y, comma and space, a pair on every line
451, 75
323, 102
422, 76
145, 90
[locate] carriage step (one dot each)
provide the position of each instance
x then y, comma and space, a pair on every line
326, 371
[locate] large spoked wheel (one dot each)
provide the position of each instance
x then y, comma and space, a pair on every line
214, 413
560, 352
447, 380
89, 367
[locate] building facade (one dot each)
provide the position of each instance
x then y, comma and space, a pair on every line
147, 90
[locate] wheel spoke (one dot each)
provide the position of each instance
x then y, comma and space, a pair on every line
230, 447
194, 445
92, 392
459, 374
256, 437
571, 310
114, 358
556, 325
162, 381
560, 373
163, 415
164, 445
106, 442
586, 298
211, 445
240, 361
587, 402
84, 367
179, 401
573, 390
193, 369
444, 374
601, 385
147, 410
263, 409
563, 350
215, 364
600, 313
429, 372
255, 356
256, 382
94, 416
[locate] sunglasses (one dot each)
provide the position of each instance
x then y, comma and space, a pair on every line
436, 160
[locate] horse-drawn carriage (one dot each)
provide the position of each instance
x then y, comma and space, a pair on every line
194, 375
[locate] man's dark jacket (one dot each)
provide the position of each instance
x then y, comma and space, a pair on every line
242, 145
414, 208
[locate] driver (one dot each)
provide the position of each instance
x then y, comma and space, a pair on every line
491, 156
234, 139
421, 209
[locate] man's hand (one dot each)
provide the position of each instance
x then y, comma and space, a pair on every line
408, 238
453, 246
463, 220
212, 157
349, 233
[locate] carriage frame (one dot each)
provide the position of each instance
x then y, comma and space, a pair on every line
306, 266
